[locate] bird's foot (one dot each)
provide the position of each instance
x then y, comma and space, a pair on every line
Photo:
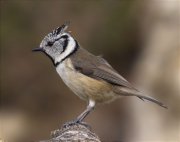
75, 122
69, 123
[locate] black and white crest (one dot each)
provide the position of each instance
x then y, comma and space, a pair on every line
58, 31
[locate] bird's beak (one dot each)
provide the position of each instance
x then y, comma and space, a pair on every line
37, 49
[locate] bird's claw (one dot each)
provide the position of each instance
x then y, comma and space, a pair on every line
86, 124
68, 123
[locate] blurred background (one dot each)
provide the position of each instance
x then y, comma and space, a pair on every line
140, 39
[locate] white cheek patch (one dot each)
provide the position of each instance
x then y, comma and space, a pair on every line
69, 49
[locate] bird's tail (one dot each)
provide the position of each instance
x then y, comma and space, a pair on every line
133, 92
143, 96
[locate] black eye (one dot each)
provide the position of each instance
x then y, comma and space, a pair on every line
50, 43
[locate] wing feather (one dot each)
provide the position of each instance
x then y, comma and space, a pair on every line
101, 70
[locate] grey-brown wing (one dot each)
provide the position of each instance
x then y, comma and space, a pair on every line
100, 70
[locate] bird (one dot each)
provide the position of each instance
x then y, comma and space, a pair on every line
90, 77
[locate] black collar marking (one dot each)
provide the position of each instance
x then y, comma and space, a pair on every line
75, 49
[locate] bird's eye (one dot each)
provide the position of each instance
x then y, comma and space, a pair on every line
50, 43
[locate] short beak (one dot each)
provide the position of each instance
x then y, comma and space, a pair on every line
37, 49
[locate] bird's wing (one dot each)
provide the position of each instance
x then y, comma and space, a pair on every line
101, 70
98, 68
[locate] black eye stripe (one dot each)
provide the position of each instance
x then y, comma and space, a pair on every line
64, 36
65, 45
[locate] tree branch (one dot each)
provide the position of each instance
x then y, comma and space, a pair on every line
76, 132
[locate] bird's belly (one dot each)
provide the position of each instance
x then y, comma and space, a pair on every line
85, 87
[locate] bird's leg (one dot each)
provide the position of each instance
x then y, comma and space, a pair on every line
91, 106
79, 119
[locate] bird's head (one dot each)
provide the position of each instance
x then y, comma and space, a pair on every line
58, 44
